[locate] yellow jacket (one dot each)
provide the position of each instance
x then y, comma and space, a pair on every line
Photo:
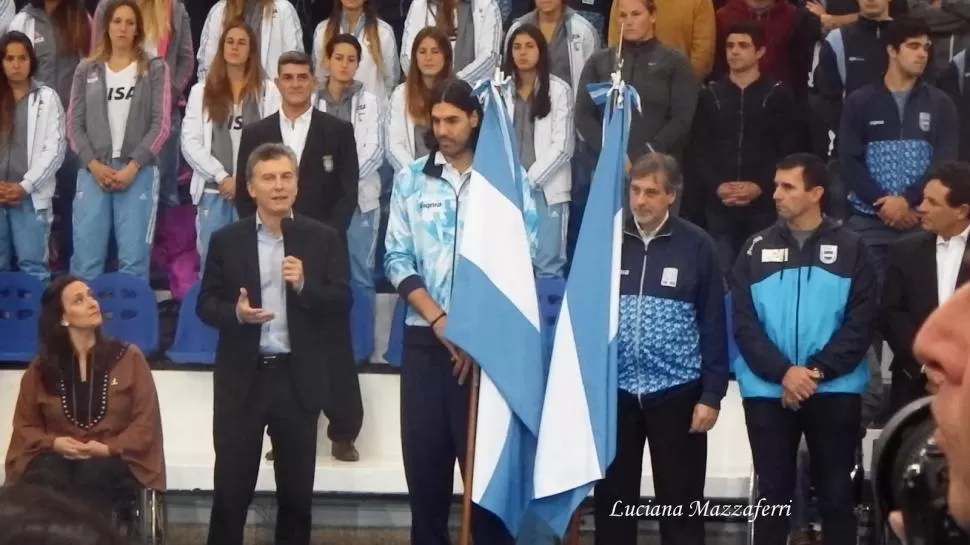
686, 25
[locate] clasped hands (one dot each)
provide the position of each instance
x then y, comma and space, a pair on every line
110, 179
895, 212
72, 449
799, 384
292, 274
11, 193
462, 363
739, 193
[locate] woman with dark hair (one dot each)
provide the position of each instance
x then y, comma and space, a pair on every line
32, 144
411, 101
275, 22
234, 94
60, 31
118, 122
542, 113
33, 515
167, 35
86, 422
378, 68
473, 28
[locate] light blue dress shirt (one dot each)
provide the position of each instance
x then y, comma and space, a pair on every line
274, 337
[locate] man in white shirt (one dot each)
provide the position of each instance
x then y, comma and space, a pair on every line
924, 271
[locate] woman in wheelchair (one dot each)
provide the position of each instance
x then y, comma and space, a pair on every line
86, 422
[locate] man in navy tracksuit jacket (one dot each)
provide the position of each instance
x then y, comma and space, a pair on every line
672, 364
892, 132
804, 299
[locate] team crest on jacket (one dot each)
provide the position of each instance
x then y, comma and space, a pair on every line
924, 121
828, 253
328, 163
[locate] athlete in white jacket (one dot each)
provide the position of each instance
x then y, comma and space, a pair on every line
345, 98
476, 53
565, 31
31, 153
541, 107
233, 95
275, 22
379, 70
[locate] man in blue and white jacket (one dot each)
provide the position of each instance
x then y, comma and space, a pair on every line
804, 297
424, 230
672, 359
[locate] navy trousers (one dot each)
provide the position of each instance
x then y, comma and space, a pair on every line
434, 428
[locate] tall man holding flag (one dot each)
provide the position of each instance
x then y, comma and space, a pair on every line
428, 205
673, 376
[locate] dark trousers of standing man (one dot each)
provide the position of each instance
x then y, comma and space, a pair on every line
678, 459
238, 436
434, 432
830, 423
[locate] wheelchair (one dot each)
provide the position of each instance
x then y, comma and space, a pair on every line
142, 519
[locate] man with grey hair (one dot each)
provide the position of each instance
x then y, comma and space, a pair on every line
272, 284
671, 378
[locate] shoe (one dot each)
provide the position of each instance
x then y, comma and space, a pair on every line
345, 451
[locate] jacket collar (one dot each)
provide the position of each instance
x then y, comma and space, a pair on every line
631, 228
872, 25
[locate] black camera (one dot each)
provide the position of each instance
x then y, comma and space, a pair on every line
910, 474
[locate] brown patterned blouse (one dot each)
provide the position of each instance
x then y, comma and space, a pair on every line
118, 408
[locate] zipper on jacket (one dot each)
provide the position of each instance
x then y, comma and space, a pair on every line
643, 273
798, 304
740, 136
454, 245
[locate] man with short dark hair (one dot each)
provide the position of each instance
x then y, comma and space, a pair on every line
923, 272
672, 378
804, 302
272, 283
326, 155
742, 128
423, 229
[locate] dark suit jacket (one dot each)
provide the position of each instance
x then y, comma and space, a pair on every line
910, 295
328, 174
233, 263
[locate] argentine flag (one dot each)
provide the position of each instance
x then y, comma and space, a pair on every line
494, 315
577, 434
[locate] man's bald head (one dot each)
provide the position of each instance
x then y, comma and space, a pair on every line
943, 346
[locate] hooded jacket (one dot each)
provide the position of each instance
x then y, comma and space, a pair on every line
739, 135
790, 32
813, 306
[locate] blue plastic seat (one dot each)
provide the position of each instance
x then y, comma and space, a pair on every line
195, 342
551, 291
20, 295
362, 323
395, 341
129, 309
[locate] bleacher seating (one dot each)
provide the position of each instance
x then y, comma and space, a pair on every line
129, 309
195, 342
20, 296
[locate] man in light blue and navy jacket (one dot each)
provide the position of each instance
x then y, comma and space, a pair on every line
804, 300
672, 358
892, 132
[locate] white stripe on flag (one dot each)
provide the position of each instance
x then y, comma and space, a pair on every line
494, 417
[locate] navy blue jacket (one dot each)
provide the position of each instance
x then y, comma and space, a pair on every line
672, 323
814, 306
881, 155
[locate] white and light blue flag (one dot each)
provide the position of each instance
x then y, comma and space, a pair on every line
494, 314
577, 433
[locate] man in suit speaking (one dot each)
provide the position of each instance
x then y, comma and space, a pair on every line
924, 270
271, 283
326, 159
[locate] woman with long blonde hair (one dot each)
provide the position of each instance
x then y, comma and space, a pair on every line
168, 35
275, 22
234, 94
118, 121
431, 62
378, 70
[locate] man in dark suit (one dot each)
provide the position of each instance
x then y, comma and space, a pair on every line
328, 178
924, 270
271, 284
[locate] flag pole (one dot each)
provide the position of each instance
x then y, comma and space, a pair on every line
466, 497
